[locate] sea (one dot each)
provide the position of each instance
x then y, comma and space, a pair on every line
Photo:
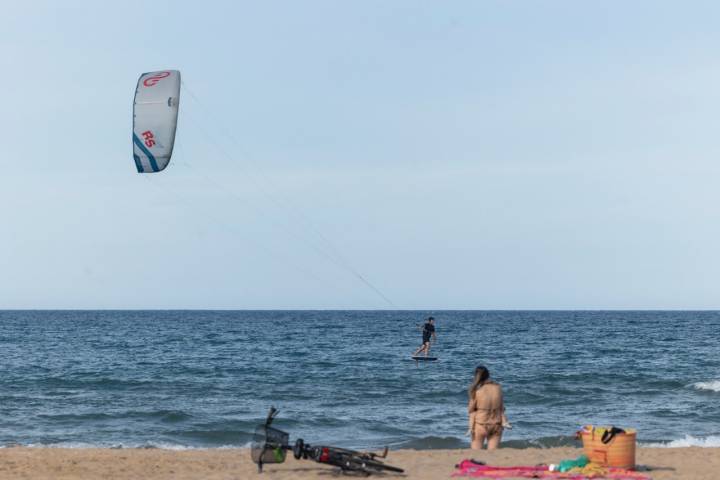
205, 379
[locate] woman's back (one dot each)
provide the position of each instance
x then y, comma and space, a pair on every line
486, 412
487, 404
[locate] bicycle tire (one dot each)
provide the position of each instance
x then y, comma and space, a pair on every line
361, 463
346, 460
379, 466
356, 453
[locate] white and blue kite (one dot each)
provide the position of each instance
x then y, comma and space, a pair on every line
155, 114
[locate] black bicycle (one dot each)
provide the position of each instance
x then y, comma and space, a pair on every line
271, 445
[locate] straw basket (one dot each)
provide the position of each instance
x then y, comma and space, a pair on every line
619, 452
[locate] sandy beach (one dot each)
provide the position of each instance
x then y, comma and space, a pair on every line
61, 463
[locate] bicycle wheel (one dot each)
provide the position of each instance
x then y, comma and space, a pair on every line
379, 466
360, 463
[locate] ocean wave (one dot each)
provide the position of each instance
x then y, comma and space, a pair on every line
150, 445
713, 385
688, 441
213, 437
165, 416
543, 442
431, 443
98, 382
422, 443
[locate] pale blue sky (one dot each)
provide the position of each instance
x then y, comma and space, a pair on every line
457, 154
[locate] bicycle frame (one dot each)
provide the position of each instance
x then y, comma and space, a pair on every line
270, 446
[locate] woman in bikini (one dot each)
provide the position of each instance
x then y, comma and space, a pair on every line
486, 411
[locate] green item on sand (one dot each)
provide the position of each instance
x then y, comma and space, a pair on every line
567, 465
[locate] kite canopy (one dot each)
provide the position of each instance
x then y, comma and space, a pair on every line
155, 113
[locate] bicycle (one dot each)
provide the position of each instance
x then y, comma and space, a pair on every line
270, 445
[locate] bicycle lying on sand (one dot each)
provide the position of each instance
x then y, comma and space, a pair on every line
270, 445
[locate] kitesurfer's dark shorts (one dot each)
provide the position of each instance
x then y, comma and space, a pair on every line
426, 339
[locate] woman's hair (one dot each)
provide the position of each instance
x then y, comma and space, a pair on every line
481, 376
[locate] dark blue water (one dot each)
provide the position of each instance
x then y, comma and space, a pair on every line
204, 379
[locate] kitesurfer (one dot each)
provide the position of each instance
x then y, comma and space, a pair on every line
428, 333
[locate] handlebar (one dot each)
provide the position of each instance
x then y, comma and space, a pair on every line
271, 416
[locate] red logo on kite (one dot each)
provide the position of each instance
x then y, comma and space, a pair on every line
149, 138
152, 81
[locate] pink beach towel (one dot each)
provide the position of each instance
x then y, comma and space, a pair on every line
468, 468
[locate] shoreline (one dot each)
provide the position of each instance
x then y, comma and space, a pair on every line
677, 463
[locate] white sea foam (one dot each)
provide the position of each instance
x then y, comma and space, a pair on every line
159, 446
689, 441
713, 385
